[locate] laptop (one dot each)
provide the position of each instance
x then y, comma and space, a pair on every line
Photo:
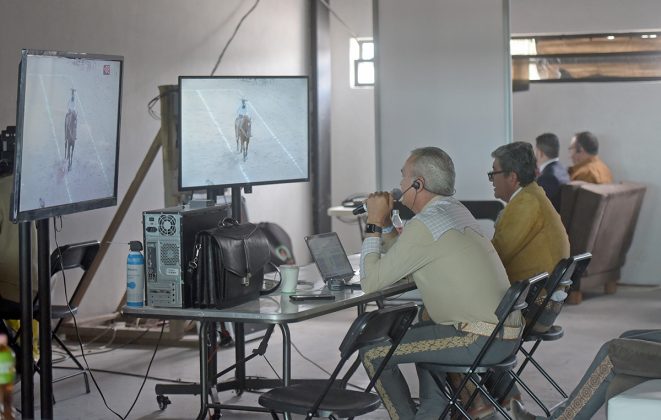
331, 259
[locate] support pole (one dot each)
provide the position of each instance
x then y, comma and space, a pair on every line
45, 342
25, 277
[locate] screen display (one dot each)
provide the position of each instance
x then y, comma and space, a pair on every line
67, 137
243, 131
329, 255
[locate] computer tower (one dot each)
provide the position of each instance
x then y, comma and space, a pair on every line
169, 236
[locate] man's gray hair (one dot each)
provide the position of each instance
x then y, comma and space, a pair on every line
519, 158
436, 168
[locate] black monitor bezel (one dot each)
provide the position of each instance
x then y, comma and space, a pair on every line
63, 209
241, 184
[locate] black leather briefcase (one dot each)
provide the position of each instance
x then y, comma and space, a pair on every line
227, 268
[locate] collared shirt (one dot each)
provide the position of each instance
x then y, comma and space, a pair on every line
545, 164
515, 193
455, 267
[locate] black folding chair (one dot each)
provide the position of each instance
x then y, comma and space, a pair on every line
78, 255
67, 257
514, 300
326, 398
541, 315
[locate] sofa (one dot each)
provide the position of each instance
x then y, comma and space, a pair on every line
600, 219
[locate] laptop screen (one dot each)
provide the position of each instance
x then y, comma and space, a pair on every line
329, 255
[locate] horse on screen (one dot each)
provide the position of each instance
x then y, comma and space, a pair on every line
242, 125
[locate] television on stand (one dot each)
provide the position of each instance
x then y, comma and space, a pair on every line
67, 133
240, 131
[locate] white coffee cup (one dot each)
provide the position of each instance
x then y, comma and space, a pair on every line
289, 275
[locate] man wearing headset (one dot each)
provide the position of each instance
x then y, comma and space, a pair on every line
455, 267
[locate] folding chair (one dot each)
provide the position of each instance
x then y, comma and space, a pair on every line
326, 398
514, 300
78, 255
541, 314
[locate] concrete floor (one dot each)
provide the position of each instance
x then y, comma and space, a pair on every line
597, 319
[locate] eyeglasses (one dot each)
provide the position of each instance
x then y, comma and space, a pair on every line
492, 173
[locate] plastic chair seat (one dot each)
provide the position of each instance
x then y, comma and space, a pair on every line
340, 402
556, 332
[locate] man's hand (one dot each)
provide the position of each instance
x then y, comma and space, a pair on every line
379, 206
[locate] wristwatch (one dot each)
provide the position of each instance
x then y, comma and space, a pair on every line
372, 228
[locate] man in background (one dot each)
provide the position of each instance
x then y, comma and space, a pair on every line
583, 151
552, 173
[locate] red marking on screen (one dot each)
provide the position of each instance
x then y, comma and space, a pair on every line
106, 69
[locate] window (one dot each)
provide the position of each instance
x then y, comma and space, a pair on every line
631, 56
361, 53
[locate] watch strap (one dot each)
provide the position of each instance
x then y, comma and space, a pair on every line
372, 228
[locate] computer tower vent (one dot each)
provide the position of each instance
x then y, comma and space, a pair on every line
170, 254
167, 225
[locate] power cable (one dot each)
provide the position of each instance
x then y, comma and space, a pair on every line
80, 341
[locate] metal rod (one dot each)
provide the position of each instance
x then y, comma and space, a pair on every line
25, 277
45, 341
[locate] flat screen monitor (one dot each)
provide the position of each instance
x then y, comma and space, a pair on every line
67, 133
238, 131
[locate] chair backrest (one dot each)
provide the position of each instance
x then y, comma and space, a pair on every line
73, 256
544, 310
515, 297
539, 316
387, 326
513, 300
487, 209
582, 262
384, 325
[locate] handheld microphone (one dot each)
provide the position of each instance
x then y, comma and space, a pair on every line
396, 195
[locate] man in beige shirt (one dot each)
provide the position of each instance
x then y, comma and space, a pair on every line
455, 267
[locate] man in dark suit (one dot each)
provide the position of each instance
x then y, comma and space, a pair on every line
552, 173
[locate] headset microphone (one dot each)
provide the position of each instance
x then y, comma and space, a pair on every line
396, 194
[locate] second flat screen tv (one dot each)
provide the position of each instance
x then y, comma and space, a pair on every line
237, 131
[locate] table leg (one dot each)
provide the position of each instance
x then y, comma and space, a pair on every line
204, 354
286, 359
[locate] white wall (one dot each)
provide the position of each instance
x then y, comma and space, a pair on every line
443, 80
352, 124
624, 116
160, 39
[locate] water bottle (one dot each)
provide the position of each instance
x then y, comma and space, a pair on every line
7, 374
135, 276
397, 221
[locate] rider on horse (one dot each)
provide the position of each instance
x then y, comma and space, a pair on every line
242, 124
70, 130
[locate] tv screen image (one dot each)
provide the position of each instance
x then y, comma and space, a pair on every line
67, 139
243, 131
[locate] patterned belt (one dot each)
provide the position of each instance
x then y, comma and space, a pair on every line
486, 329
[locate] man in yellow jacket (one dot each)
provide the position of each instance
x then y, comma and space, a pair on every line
529, 236
587, 167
